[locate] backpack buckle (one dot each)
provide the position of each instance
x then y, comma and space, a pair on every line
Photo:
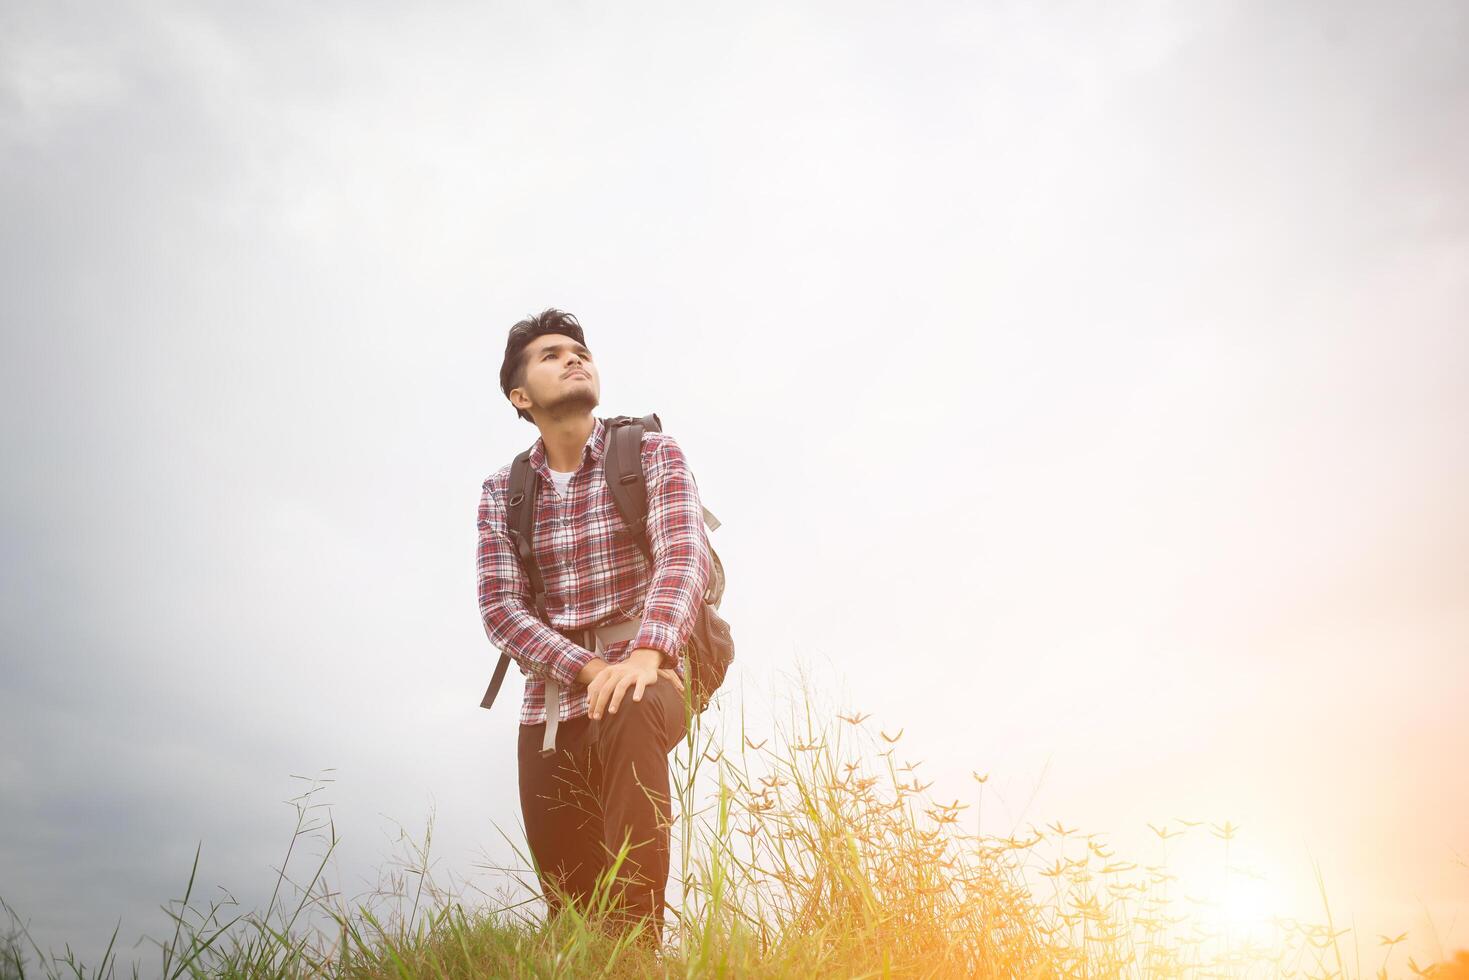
627, 479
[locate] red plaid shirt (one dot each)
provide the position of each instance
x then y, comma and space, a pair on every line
594, 572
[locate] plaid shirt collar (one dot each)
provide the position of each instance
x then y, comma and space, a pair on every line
594, 450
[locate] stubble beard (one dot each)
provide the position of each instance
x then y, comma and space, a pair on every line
578, 401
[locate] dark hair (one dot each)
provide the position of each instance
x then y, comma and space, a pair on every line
512, 369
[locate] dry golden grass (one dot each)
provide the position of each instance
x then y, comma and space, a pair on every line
822, 849
809, 851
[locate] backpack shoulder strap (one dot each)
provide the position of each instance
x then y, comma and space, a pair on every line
623, 466
521, 523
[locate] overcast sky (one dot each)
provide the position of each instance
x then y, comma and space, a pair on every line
1082, 388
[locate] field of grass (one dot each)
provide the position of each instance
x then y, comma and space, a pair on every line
808, 852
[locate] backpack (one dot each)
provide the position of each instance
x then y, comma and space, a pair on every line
710, 648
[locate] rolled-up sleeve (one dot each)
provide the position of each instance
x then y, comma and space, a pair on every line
505, 602
681, 561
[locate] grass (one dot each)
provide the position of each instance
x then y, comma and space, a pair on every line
807, 852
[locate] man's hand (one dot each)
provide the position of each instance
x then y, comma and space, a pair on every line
638, 671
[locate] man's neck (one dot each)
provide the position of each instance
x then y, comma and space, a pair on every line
565, 438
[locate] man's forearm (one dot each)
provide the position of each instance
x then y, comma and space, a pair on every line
538, 648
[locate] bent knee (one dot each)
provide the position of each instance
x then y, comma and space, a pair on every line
660, 711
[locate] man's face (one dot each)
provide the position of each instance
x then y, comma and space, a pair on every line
560, 378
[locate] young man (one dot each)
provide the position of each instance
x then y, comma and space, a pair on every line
609, 655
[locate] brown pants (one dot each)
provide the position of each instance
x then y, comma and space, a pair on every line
606, 784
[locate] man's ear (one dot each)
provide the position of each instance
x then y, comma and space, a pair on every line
520, 399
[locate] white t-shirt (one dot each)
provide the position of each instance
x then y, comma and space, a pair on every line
562, 480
